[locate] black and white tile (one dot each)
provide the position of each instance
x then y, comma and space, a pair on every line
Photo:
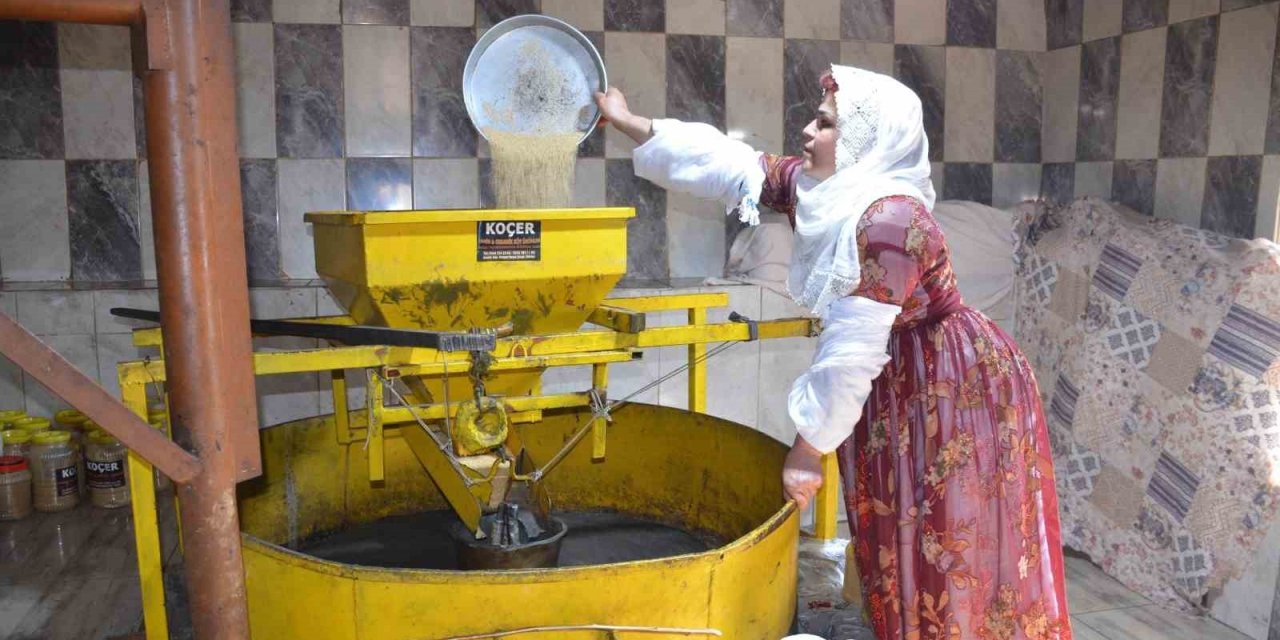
1188, 80
258, 188
309, 96
924, 70
441, 128
102, 211
30, 92
757, 18
647, 237
696, 79
1133, 184
805, 61
379, 184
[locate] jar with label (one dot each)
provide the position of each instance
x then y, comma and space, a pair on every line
15, 488
7, 416
73, 422
16, 443
53, 472
107, 468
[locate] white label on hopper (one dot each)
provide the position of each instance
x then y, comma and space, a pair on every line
509, 241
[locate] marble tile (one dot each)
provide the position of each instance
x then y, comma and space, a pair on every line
1232, 5
140, 117
970, 90
805, 61
586, 15
1019, 108
637, 66
379, 184
1064, 21
924, 70
1102, 19
30, 92
255, 89
1157, 623
1272, 143
635, 15
781, 362
761, 18
1139, 15
1090, 590
102, 212
81, 351
1061, 105
308, 70
441, 127
307, 11
937, 175
968, 181
872, 56
392, 12
274, 303
258, 188
866, 20
1133, 184
442, 13
1093, 179
1231, 195
1188, 88
107, 299
306, 185
647, 243
251, 10
1013, 184
1099, 95
56, 313
696, 17
696, 79
812, 19
589, 183
97, 110
485, 171
754, 92
491, 12
920, 22
34, 236
1268, 224
697, 243
1141, 91
1020, 25
446, 183
1180, 189
94, 46
1245, 55
1058, 182
376, 89
146, 229
1181, 10
972, 23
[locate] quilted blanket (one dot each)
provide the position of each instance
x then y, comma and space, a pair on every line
1157, 351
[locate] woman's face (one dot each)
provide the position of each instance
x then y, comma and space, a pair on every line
820, 141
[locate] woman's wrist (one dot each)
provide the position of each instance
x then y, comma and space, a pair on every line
638, 128
802, 446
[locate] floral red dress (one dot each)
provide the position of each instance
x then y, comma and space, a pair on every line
948, 476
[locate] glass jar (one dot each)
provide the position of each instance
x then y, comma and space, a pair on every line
15, 488
70, 420
107, 469
73, 422
53, 472
7, 416
16, 443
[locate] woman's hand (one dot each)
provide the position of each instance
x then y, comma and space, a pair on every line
802, 473
614, 109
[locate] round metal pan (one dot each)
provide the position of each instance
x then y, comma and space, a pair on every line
533, 74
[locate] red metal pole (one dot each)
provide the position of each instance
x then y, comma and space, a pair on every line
92, 11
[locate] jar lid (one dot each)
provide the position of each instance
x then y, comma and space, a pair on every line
9, 415
15, 436
71, 417
157, 410
32, 423
12, 464
102, 437
52, 437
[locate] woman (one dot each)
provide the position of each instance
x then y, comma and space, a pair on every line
948, 473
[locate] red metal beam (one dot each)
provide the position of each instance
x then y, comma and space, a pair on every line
65, 380
92, 11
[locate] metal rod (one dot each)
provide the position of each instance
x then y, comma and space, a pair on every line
90, 11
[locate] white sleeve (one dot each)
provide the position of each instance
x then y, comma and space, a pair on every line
826, 401
698, 159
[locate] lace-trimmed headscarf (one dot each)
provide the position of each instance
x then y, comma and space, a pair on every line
881, 151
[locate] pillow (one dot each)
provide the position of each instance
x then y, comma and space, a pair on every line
981, 240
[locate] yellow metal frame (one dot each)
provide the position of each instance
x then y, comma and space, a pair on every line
624, 335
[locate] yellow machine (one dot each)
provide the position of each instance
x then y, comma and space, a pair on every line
471, 430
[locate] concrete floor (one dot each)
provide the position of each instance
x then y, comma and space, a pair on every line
73, 576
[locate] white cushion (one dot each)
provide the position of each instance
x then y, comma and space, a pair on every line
981, 240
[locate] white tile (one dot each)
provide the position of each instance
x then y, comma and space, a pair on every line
702, 17
255, 88
1141, 92
326, 305
48, 313
97, 114
1094, 179
695, 228
1246, 48
113, 349
34, 240
1180, 189
1268, 222
1102, 19
637, 67
970, 105
1180, 10
282, 398
375, 61
1014, 183
275, 303
306, 185
589, 183
872, 56
1061, 104
754, 91
812, 19
920, 22
94, 46
105, 300
1020, 25
446, 183
587, 15
1245, 603
146, 231
781, 362
937, 173
567, 379
11, 394
733, 377
81, 351
308, 11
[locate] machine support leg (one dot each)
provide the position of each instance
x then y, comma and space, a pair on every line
825, 505
341, 416
146, 531
599, 382
697, 366
377, 463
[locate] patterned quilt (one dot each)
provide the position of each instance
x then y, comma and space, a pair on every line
1157, 351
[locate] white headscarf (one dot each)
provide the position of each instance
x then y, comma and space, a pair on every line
882, 151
